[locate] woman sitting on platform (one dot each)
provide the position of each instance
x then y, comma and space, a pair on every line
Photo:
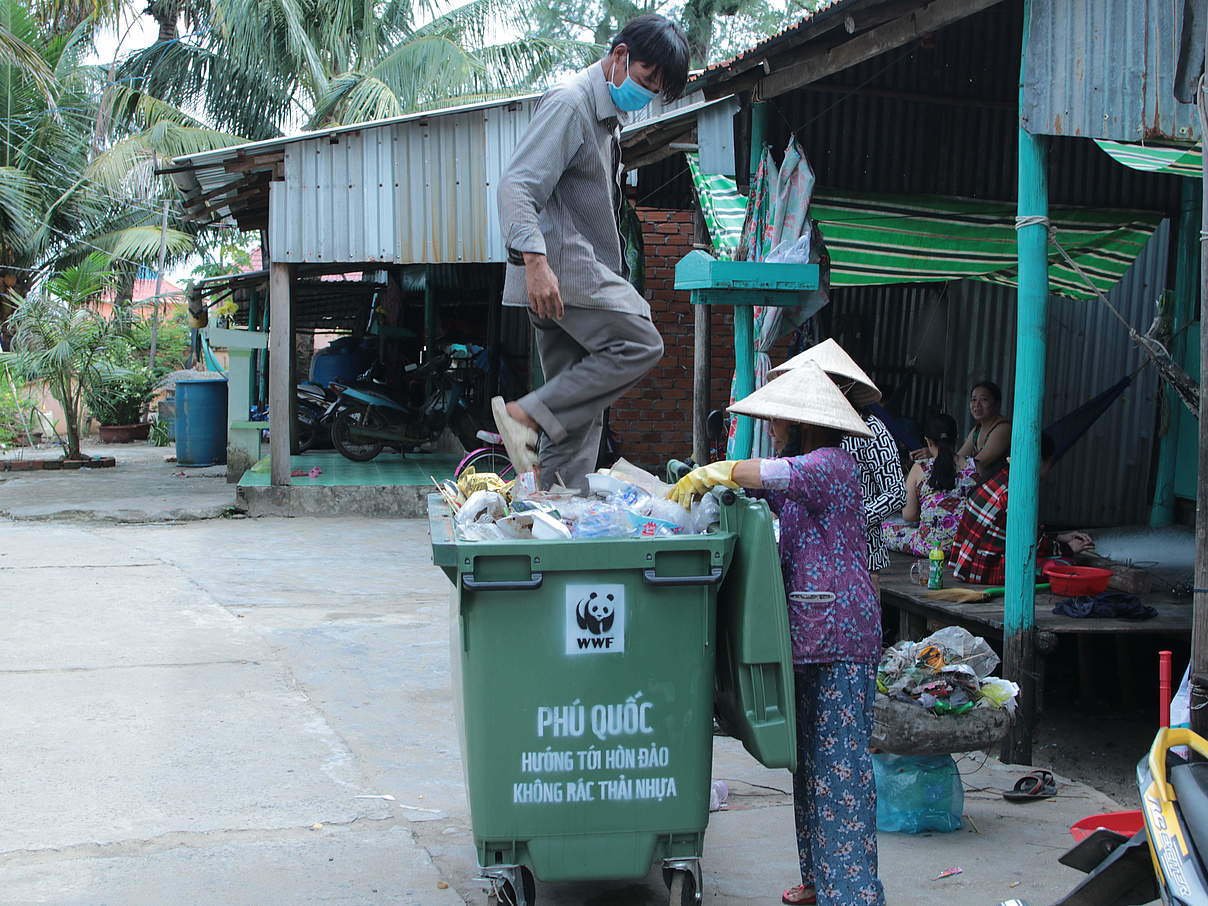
935, 490
989, 442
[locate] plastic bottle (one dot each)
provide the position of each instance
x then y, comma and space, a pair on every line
935, 577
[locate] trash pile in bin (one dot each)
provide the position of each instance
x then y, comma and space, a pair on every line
623, 502
946, 673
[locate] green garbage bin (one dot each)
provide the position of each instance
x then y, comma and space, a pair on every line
587, 673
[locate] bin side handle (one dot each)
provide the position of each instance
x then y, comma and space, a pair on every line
469, 582
653, 578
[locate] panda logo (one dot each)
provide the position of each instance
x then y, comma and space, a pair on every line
596, 614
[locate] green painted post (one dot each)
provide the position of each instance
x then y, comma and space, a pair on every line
1019, 603
1186, 289
744, 377
744, 315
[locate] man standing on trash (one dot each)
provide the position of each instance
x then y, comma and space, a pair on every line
559, 207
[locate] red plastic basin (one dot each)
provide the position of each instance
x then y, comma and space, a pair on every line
1076, 580
1126, 823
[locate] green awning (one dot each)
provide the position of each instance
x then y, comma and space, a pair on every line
875, 239
1177, 159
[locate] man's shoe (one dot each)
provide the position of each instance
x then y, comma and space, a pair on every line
519, 440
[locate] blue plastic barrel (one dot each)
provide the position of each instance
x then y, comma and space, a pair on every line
201, 422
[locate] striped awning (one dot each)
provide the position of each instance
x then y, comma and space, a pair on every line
1177, 159
875, 240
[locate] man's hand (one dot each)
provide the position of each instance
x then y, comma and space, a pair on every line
539, 279
1077, 541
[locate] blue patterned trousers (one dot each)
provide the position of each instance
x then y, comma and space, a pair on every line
834, 797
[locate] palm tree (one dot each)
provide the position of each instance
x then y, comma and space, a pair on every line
76, 158
258, 67
58, 338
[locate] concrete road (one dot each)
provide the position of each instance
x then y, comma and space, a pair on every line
259, 711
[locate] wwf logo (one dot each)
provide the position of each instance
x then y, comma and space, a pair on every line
596, 614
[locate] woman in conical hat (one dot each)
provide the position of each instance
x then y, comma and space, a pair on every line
834, 624
881, 477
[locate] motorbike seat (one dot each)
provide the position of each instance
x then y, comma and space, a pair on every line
1190, 782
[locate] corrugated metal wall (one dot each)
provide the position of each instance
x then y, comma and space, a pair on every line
1105, 69
927, 348
335, 203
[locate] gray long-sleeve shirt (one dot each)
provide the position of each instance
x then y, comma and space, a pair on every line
560, 195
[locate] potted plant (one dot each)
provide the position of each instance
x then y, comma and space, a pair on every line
58, 340
119, 404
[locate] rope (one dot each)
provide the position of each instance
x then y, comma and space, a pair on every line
1184, 386
1032, 220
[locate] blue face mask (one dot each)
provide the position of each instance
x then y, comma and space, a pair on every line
629, 95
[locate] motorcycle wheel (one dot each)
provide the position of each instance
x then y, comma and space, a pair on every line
346, 421
489, 459
309, 427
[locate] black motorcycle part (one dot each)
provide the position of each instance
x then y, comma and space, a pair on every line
1089, 854
1190, 781
1124, 878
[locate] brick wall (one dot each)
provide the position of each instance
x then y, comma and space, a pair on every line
653, 421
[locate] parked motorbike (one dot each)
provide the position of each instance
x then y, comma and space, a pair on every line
314, 428
1164, 860
444, 392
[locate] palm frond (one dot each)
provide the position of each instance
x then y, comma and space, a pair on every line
141, 243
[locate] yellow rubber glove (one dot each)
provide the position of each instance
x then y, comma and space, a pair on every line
699, 480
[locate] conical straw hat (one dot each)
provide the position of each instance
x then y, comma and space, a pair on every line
834, 360
806, 395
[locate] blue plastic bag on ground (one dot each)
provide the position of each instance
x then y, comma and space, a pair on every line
918, 794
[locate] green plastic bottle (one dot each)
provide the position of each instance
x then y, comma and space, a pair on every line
935, 578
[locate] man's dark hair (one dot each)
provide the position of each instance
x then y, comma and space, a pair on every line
657, 41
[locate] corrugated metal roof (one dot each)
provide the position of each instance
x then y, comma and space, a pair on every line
1105, 69
411, 190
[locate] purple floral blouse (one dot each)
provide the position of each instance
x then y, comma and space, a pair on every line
823, 549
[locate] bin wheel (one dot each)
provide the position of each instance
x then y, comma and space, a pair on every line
505, 893
683, 890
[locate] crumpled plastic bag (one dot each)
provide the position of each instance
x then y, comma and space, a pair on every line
999, 693
603, 520
482, 506
470, 481
963, 647
918, 793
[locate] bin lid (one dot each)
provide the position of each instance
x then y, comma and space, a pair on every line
755, 696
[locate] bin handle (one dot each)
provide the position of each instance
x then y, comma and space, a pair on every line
653, 578
469, 582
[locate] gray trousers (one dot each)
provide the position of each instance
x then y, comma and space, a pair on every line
590, 358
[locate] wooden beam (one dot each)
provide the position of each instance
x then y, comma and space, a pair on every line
1023, 512
1199, 598
701, 353
281, 355
933, 16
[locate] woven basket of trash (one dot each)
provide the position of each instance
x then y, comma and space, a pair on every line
906, 729
938, 696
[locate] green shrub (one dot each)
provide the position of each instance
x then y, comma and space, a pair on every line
122, 399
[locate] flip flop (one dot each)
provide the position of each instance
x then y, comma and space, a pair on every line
1036, 785
520, 441
797, 895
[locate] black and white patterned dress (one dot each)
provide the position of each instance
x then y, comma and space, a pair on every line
882, 483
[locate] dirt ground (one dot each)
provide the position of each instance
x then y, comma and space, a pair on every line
1097, 736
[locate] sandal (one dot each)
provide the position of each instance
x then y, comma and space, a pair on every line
1036, 785
797, 895
519, 440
